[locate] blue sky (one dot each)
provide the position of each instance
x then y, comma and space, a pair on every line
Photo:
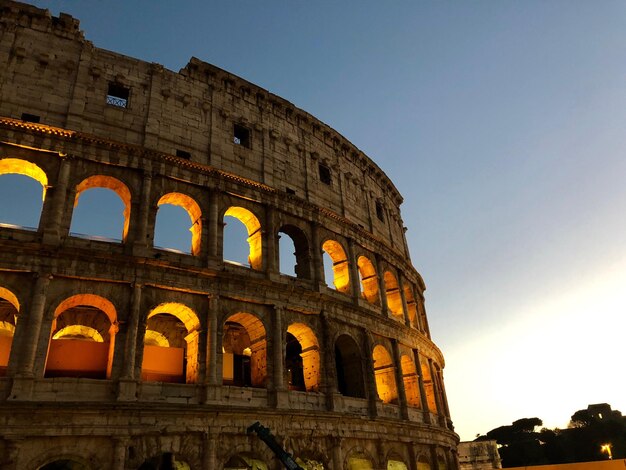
502, 123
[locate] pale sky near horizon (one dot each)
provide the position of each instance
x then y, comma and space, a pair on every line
503, 125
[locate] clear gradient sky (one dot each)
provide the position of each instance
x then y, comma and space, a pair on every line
503, 124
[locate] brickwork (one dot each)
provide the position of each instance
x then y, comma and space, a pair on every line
195, 349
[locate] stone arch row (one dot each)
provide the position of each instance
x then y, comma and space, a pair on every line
83, 342
356, 271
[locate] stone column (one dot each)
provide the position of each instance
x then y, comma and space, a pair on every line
54, 217
271, 242
354, 272
337, 454
278, 346
30, 341
381, 286
399, 379
119, 453
433, 379
370, 378
209, 457
212, 378
213, 225
318, 266
132, 327
141, 231
412, 456
329, 374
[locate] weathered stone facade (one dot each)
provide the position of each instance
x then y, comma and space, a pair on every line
121, 355
478, 455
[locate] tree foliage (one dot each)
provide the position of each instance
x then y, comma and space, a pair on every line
521, 445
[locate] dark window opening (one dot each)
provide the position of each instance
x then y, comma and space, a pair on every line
241, 136
380, 213
30, 117
325, 174
290, 191
183, 154
117, 95
294, 364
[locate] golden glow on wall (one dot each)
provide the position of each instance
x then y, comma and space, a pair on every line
115, 185
7, 295
255, 258
310, 354
369, 280
180, 311
195, 214
341, 272
384, 372
81, 331
6, 328
423, 463
258, 345
411, 305
91, 300
396, 465
394, 299
16, 166
359, 463
429, 387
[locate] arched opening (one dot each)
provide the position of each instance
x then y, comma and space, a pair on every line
411, 381
170, 348
394, 299
396, 465
369, 280
385, 375
165, 461
340, 270
244, 462
9, 310
83, 338
244, 351
349, 367
167, 235
19, 179
441, 463
98, 214
310, 464
294, 256
429, 386
423, 463
411, 305
64, 464
359, 462
254, 239
302, 358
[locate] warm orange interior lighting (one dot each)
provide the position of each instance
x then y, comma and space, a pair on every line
180, 311
258, 346
195, 214
115, 185
429, 387
82, 331
369, 280
253, 226
154, 338
394, 299
411, 381
10, 297
16, 166
310, 354
396, 465
385, 375
341, 273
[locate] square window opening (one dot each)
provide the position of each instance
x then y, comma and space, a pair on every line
325, 174
118, 95
380, 213
30, 117
183, 154
241, 136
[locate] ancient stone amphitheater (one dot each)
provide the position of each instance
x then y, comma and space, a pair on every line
118, 354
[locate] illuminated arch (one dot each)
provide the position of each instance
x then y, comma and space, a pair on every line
411, 305
423, 463
115, 185
310, 355
244, 336
79, 330
83, 355
394, 299
253, 226
384, 373
411, 381
195, 215
393, 464
369, 280
17, 166
8, 320
429, 386
161, 361
155, 338
244, 460
341, 272
10, 297
359, 460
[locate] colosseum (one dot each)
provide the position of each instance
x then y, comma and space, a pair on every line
121, 354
